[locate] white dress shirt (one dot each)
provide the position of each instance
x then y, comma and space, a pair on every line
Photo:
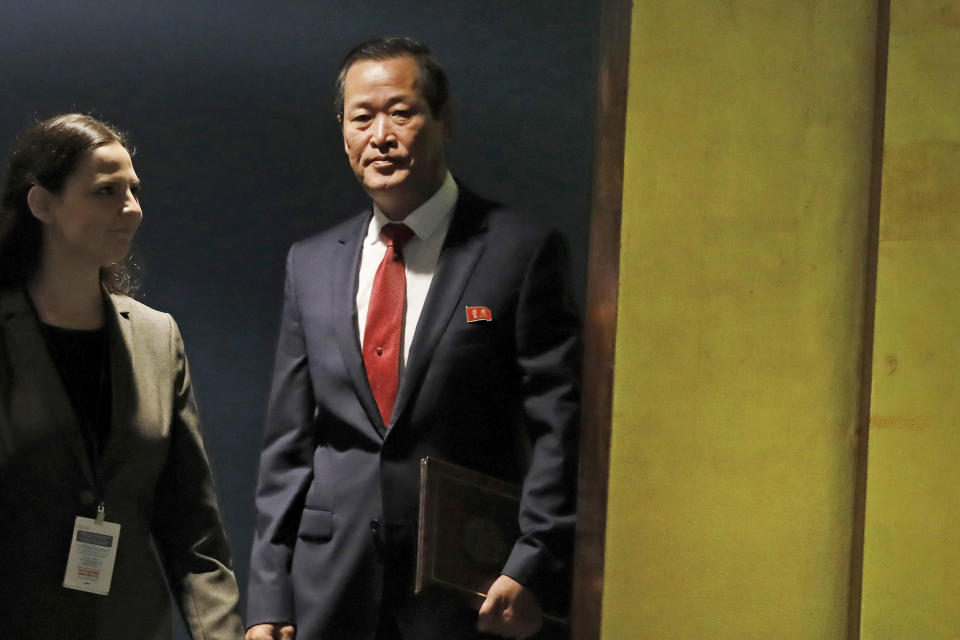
429, 223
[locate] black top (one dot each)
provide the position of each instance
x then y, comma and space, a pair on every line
81, 357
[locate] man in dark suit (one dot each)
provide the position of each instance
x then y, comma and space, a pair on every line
449, 335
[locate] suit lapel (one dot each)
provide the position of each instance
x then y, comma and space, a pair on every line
346, 276
461, 251
123, 398
37, 376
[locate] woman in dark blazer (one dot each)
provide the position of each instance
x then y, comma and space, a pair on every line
97, 415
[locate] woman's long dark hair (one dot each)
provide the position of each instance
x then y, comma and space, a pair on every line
46, 155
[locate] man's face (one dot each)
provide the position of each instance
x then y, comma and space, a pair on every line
393, 142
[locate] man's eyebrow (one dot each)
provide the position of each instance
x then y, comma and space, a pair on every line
367, 104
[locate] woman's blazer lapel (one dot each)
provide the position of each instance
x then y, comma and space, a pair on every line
33, 396
33, 393
123, 384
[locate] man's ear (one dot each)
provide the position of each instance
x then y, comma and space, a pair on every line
40, 201
346, 149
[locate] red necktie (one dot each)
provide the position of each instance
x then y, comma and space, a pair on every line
381, 337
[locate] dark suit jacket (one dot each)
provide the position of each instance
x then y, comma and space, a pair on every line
500, 397
158, 488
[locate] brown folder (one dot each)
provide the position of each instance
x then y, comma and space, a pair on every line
468, 525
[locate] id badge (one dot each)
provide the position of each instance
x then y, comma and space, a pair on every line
93, 552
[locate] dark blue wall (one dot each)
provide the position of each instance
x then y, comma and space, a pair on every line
228, 105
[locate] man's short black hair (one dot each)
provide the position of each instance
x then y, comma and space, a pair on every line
433, 78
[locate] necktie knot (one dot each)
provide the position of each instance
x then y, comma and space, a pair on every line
396, 235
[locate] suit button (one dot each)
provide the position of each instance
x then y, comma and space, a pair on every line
87, 498
375, 525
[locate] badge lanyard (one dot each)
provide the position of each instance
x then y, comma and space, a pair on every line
88, 424
93, 543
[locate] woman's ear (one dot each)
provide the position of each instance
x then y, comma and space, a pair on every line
40, 200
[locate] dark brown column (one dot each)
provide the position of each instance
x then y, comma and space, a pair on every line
869, 315
600, 330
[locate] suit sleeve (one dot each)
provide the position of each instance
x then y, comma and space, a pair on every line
286, 468
548, 355
186, 521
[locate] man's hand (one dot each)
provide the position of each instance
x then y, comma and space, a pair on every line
271, 632
510, 610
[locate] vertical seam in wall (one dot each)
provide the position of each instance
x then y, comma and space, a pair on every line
869, 315
600, 326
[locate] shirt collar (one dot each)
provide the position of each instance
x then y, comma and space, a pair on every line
427, 218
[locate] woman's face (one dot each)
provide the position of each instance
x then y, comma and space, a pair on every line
95, 216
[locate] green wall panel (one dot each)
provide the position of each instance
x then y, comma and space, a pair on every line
739, 333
